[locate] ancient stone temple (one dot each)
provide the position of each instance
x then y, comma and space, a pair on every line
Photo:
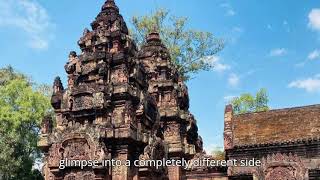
286, 141
127, 104
120, 103
171, 94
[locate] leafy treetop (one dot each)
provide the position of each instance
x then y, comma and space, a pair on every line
22, 108
188, 48
247, 103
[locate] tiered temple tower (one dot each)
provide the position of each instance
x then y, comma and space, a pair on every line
120, 104
106, 111
165, 85
127, 104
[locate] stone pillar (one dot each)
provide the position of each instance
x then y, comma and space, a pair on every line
145, 173
175, 173
121, 172
228, 130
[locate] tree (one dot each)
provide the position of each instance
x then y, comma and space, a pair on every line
21, 110
8, 74
190, 49
247, 103
218, 153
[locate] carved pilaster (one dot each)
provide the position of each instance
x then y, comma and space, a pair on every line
228, 132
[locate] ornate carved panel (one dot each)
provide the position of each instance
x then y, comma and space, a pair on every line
88, 67
119, 76
280, 173
80, 175
55, 155
228, 142
83, 102
76, 149
172, 129
282, 167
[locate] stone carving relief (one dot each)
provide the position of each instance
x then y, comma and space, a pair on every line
116, 26
55, 155
85, 175
172, 129
82, 102
116, 47
119, 76
280, 173
282, 167
88, 67
107, 99
228, 143
98, 100
129, 114
118, 116
155, 150
76, 149
71, 176
197, 157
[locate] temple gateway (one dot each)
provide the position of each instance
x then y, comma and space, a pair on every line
125, 105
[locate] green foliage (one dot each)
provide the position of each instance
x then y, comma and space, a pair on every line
21, 111
247, 103
188, 48
218, 154
8, 74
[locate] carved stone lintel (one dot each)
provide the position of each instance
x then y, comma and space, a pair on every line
283, 166
274, 167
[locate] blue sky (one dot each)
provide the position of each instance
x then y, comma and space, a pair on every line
270, 44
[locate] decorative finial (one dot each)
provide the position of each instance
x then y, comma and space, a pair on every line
73, 54
110, 4
154, 34
228, 108
154, 29
57, 85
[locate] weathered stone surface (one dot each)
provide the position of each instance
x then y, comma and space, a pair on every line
106, 111
125, 104
120, 104
277, 126
286, 141
164, 84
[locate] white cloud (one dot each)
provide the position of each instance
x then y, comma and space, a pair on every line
301, 64
311, 84
233, 80
234, 34
278, 52
231, 12
30, 17
218, 66
269, 27
228, 8
286, 26
237, 29
225, 5
314, 54
314, 19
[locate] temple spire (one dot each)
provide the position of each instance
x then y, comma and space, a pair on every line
110, 4
153, 35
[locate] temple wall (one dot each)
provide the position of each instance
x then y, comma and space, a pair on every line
290, 161
206, 177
